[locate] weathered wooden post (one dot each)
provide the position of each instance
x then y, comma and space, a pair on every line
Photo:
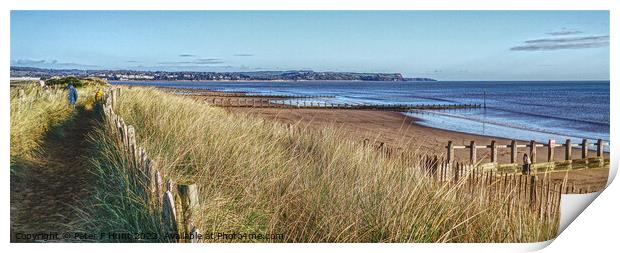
131, 143
493, 151
142, 158
113, 96
584, 149
472, 152
119, 127
147, 167
194, 235
169, 215
599, 152
568, 154
158, 181
550, 148
533, 151
541, 207
599, 148
125, 136
559, 198
153, 179
456, 172
548, 200
450, 148
532, 190
190, 205
513, 151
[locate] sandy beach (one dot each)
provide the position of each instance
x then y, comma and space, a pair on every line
398, 131
394, 129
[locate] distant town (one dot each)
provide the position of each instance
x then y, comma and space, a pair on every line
137, 75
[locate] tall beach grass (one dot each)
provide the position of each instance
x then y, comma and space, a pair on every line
36, 113
257, 176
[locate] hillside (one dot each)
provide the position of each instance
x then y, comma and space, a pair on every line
291, 75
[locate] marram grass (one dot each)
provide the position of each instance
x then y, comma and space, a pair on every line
33, 115
38, 113
255, 176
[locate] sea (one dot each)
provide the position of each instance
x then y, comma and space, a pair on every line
522, 110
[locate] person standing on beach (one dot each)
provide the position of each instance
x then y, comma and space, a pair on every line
73, 95
526, 164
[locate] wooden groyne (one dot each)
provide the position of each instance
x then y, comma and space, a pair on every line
264, 95
301, 104
532, 150
542, 156
237, 94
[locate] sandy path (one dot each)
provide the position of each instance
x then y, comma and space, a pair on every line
44, 195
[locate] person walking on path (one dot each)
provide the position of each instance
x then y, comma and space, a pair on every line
99, 95
527, 163
73, 95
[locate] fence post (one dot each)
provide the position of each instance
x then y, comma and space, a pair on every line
131, 143
548, 197
568, 155
533, 151
119, 126
584, 149
158, 181
126, 133
113, 96
493, 152
169, 213
472, 152
513, 151
450, 151
542, 197
532, 190
188, 194
154, 179
559, 198
550, 149
194, 235
456, 172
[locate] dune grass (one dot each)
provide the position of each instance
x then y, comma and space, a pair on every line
32, 115
37, 113
256, 176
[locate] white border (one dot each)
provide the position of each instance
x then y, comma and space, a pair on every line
594, 229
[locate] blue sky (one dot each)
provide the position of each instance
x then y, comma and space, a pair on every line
446, 45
